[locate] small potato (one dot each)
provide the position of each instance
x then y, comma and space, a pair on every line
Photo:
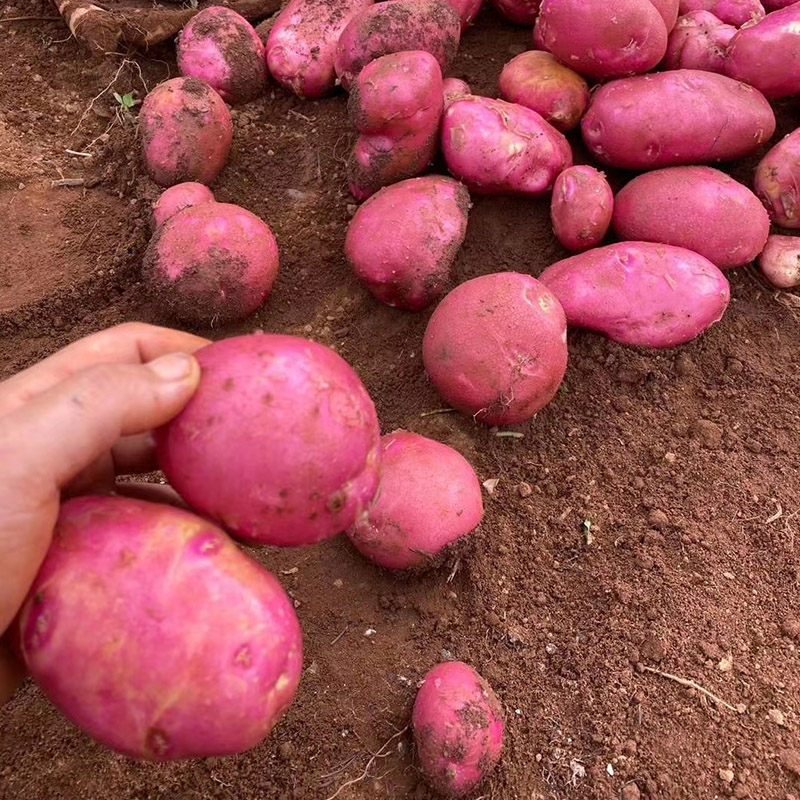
496, 147
429, 497
178, 197
186, 132
221, 47
639, 293
731, 12
777, 179
454, 89
520, 12
780, 261
458, 728
699, 208
699, 41
402, 242
537, 81
581, 208
668, 10
496, 348
610, 39
668, 119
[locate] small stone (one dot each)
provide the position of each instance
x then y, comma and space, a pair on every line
742, 752
490, 485
790, 759
670, 458
652, 648
630, 792
370, 632
286, 750
753, 445
351, 209
708, 432
726, 775
735, 366
338, 583
658, 519
776, 715
550, 649
726, 663
524, 489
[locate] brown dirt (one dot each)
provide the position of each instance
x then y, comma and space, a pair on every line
682, 460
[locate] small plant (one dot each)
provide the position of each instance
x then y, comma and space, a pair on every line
126, 101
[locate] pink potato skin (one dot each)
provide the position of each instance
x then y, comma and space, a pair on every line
699, 41
581, 208
520, 12
467, 10
396, 26
774, 5
496, 147
668, 10
221, 47
669, 119
155, 634
779, 262
458, 728
280, 443
429, 497
302, 44
699, 208
402, 242
604, 40
767, 55
537, 81
777, 181
731, 12
186, 132
178, 197
640, 293
454, 89
212, 263
496, 348
396, 105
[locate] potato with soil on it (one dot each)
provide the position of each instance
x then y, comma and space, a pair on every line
777, 179
221, 47
458, 728
496, 348
280, 444
537, 81
640, 293
397, 26
211, 264
731, 12
178, 197
520, 12
454, 89
779, 262
581, 208
396, 105
496, 147
402, 242
186, 132
699, 41
155, 634
301, 46
428, 498
674, 118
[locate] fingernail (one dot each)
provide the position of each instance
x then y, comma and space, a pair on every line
173, 367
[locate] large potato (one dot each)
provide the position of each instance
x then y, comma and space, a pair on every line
777, 180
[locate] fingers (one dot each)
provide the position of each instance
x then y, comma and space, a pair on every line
152, 492
133, 455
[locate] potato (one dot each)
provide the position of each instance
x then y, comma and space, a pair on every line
731, 12
520, 12
699, 41
280, 443
153, 632
301, 46
777, 178
780, 261
767, 55
496, 348
496, 147
581, 208
186, 132
395, 26
640, 293
668, 10
604, 40
467, 10
454, 89
221, 47
178, 197
669, 119
774, 5
429, 497
211, 264
396, 105
458, 728
402, 242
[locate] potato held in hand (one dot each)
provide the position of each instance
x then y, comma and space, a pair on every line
777, 179
699, 41
280, 443
154, 633
639, 293
428, 498
402, 242
581, 208
780, 261
178, 197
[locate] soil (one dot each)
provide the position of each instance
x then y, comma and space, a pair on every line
645, 520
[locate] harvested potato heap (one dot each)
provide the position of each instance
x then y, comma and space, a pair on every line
281, 445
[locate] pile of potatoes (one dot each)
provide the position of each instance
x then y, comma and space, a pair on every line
282, 446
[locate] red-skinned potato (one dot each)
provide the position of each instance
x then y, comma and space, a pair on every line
454, 89
178, 197
467, 10
640, 293
496, 348
496, 147
779, 262
396, 105
429, 496
520, 12
581, 208
537, 81
402, 242
186, 132
731, 12
396, 26
668, 119
777, 179
605, 40
699, 41
699, 208
668, 10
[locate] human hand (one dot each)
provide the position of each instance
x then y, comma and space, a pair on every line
70, 425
